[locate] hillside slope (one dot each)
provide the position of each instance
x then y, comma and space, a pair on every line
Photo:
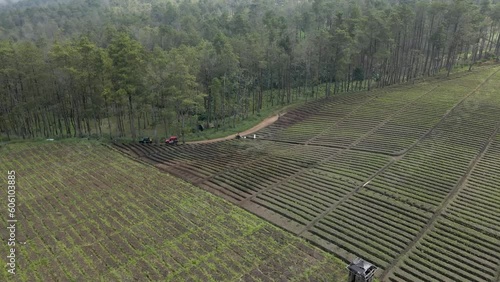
404, 177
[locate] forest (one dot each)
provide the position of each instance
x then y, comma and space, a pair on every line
114, 68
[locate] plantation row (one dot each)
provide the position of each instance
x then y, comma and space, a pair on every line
379, 122
371, 226
295, 184
199, 162
417, 184
428, 172
372, 116
302, 124
451, 252
306, 195
276, 175
464, 245
478, 204
86, 213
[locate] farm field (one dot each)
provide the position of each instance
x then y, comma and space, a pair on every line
403, 177
88, 213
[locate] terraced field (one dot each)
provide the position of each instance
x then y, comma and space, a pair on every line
88, 213
403, 177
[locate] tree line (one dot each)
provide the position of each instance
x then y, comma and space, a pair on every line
116, 68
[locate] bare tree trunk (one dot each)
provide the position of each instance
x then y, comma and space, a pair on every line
131, 116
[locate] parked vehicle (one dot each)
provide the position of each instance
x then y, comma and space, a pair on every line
146, 140
173, 140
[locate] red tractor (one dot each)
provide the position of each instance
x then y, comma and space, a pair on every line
173, 140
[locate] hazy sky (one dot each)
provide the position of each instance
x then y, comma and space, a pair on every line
8, 1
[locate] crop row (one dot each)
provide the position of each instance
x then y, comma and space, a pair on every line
294, 181
121, 220
451, 252
257, 176
426, 175
228, 166
369, 116
298, 192
388, 123
417, 185
404, 128
299, 128
405, 125
293, 117
372, 226
463, 245
478, 204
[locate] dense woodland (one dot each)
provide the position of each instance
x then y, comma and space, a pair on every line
115, 67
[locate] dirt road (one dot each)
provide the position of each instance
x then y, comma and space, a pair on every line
266, 122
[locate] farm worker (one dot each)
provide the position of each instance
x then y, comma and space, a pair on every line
254, 136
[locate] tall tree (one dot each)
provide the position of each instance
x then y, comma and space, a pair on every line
183, 88
127, 56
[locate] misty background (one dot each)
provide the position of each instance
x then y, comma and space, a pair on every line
3, 2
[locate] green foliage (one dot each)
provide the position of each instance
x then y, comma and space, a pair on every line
93, 64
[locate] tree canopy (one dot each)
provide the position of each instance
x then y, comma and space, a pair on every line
94, 67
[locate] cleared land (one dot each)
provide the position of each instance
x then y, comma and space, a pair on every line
405, 177
88, 213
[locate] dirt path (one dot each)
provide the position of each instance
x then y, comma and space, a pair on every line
266, 122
